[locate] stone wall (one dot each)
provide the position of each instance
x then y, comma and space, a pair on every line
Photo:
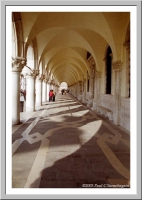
107, 101
124, 115
124, 112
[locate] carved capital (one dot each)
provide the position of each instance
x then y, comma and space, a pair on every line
127, 45
117, 66
93, 66
39, 77
105, 60
33, 72
52, 82
27, 71
45, 80
98, 74
18, 63
80, 83
88, 77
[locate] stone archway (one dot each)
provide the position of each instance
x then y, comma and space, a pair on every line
64, 86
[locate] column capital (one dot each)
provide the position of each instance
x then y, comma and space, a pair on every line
27, 71
127, 45
52, 82
45, 80
39, 77
18, 63
88, 75
117, 66
105, 59
92, 66
98, 74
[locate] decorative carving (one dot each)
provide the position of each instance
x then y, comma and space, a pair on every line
98, 74
45, 80
88, 75
18, 63
93, 66
92, 70
105, 60
52, 82
117, 66
127, 45
39, 77
27, 71
33, 72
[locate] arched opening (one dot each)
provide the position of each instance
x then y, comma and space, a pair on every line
64, 86
14, 40
108, 70
30, 57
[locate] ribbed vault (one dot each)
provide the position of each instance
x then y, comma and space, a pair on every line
63, 39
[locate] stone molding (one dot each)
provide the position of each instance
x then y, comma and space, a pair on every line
117, 66
18, 63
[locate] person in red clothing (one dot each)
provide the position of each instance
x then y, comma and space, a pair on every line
50, 95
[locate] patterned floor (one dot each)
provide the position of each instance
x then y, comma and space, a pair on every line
65, 145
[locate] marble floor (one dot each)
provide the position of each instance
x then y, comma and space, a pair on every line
63, 144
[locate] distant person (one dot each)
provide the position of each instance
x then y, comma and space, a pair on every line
62, 91
25, 95
53, 95
50, 95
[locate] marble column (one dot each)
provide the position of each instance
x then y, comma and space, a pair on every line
17, 66
96, 100
48, 89
117, 68
91, 89
30, 94
127, 46
92, 77
84, 91
80, 90
39, 90
44, 90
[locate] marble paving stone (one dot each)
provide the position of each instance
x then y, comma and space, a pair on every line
65, 184
67, 175
72, 157
90, 175
18, 183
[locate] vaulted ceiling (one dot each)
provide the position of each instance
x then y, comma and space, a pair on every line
63, 39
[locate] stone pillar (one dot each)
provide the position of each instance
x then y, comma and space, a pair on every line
117, 67
30, 94
80, 90
92, 77
39, 90
47, 97
17, 66
84, 91
96, 100
44, 90
91, 90
127, 46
